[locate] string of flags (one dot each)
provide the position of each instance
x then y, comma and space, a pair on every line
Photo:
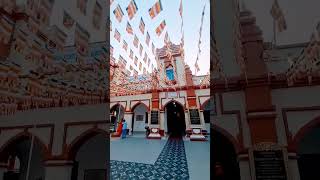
199, 43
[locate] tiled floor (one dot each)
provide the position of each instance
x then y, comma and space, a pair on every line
139, 158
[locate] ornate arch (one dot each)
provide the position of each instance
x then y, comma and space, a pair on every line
25, 135
205, 103
137, 104
236, 144
171, 101
76, 144
294, 142
124, 109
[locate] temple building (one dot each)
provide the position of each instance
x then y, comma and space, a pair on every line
157, 99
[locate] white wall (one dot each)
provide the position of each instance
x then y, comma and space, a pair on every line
140, 125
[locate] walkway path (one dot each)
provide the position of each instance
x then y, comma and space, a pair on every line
170, 165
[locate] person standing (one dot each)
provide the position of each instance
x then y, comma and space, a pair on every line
124, 129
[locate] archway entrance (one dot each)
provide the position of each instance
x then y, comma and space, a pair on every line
89, 155
223, 158
309, 154
139, 118
176, 126
116, 114
16, 155
208, 108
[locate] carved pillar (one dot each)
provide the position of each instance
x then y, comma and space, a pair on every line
261, 114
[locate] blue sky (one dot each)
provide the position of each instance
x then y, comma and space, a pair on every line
192, 10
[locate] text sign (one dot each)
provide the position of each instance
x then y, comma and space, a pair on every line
154, 117
194, 116
269, 165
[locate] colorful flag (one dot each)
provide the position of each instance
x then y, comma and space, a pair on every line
97, 15
282, 25
129, 28
141, 26
145, 57
132, 9
125, 45
135, 41
68, 21
148, 39
153, 49
136, 60
275, 10
181, 9
140, 49
278, 16
118, 13
155, 9
161, 27
166, 37
117, 35
111, 50
140, 66
197, 66
131, 54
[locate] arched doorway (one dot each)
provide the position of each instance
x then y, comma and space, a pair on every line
116, 114
308, 152
139, 118
17, 153
89, 154
208, 108
176, 125
223, 158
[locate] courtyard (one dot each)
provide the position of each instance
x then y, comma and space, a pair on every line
136, 157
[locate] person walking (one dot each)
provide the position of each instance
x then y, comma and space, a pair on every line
124, 129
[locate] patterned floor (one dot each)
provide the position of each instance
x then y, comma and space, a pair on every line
170, 165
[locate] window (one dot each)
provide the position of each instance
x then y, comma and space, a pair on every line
169, 73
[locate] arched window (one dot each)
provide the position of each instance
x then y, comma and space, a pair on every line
170, 73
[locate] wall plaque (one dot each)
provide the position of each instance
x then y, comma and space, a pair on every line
194, 116
269, 164
154, 117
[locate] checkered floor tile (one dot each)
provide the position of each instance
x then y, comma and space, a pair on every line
170, 165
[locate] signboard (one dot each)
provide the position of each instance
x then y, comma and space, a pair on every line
194, 116
269, 165
154, 117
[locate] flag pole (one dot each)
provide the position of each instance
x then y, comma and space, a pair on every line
30, 156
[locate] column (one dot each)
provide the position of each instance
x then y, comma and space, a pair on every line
186, 117
203, 124
244, 166
293, 168
163, 122
58, 169
3, 169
